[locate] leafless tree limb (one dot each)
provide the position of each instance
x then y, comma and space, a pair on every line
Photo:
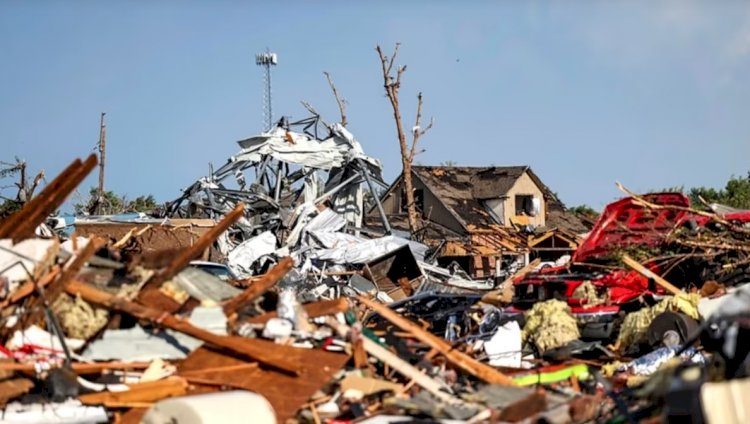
341, 102
418, 131
393, 58
401, 70
392, 86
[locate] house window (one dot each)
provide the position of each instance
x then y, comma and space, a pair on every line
527, 205
418, 200
496, 209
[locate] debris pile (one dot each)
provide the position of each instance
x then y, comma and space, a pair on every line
305, 314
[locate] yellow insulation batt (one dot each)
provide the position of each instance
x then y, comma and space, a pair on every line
550, 325
78, 318
587, 291
635, 325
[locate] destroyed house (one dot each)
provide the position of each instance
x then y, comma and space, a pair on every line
481, 214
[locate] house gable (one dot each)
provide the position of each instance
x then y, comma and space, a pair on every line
525, 185
459, 197
434, 208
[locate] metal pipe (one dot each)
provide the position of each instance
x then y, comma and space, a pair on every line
337, 188
277, 193
366, 173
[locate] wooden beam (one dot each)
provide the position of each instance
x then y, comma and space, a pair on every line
250, 348
502, 294
149, 293
48, 204
408, 370
28, 287
11, 389
141, 392
14, 220
259, 286
79, 367
214, 370
481, 371
205, 241
650, 274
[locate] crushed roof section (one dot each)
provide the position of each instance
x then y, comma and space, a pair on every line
566, 221
461, 189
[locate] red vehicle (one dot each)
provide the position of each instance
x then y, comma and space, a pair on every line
623, 225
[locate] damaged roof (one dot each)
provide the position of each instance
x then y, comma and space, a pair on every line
471, 182
566, 221
461, 188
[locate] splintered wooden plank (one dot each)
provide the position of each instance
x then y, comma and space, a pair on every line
255, 349
286, 394
81, 368
479, 370
12, 222
49, 203
152, 391
409, 371
149, 294
259, 286
505, 293
28, 287
652, 275
11, 389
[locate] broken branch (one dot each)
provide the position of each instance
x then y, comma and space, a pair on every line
341, 102
417, 131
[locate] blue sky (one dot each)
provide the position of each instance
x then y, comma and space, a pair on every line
651, 94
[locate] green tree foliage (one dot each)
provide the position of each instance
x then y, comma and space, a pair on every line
142, 203
8, 207
736, 193
584, 210
114, 204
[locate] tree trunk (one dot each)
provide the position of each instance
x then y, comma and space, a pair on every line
406, 165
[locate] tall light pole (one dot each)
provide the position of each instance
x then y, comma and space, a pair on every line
267, 60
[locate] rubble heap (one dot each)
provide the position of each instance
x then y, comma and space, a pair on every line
316, 319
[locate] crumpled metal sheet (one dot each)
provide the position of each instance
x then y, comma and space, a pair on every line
241, 259
204, 286
137, 344
649, 363
300, 149
344, 248
735, 302
326, 220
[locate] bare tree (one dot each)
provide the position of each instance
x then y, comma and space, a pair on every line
340, 101
392, 85
25, 187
